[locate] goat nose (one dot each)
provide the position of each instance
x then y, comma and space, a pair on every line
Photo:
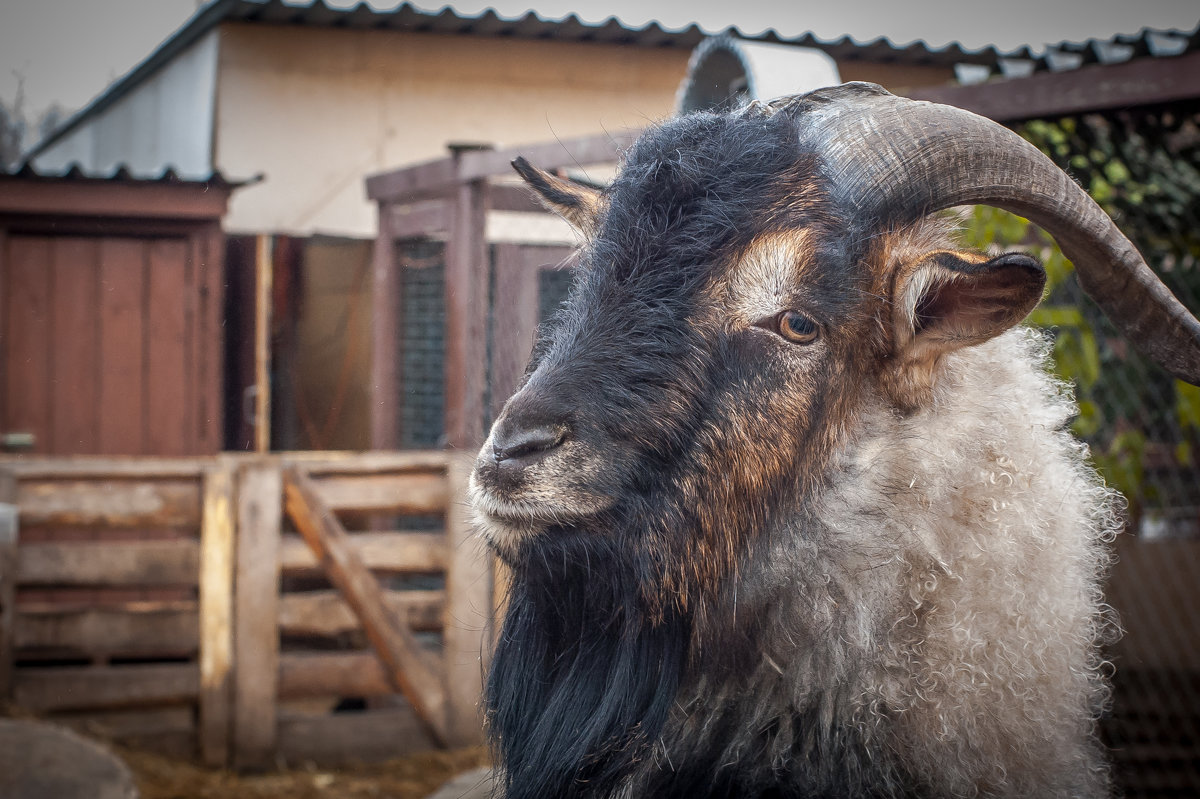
526, 446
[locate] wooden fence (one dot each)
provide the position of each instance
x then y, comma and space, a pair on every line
247, 609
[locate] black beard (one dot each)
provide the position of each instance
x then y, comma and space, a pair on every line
582, 681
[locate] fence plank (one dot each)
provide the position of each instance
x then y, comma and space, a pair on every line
405, 552
256, 637
408, 667
384, 493
140, 629
343, 738
308, 674
110, 503
91, 687
8, 580
109, 563
468, 614
216, 616
326, 613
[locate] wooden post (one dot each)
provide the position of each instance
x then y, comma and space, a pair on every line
468, 614
385, 336
515, 321
8, 580
263, 271
216, 614
407, 666
466, 317
256, 634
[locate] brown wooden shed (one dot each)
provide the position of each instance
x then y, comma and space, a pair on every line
110, 314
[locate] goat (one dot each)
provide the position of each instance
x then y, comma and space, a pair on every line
788, 497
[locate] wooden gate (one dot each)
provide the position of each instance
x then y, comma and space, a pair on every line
277, 630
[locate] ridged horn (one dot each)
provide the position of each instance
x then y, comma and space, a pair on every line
895, 160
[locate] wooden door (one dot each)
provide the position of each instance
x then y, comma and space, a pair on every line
102, 347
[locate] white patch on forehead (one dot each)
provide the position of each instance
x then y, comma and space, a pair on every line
764, 280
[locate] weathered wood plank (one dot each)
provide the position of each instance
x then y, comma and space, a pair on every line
468, 615
110, 563
209, 337
167, 352
342, 738
132, 723
412, 183
256, 636
81, 687
307, 674
408, 667
386, 343
263, 272
121, 300
120, 468
334, 462
216, 616
466, 317
8, 580
75, 406
109, 503
403, 552
416, 493
27, 338
412, 221
326, 613
132, 629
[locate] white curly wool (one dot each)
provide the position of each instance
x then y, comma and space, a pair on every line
944, 597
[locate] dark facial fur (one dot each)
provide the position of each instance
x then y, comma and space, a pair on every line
611, 612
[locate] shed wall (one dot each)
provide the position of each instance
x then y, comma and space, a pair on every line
167, 120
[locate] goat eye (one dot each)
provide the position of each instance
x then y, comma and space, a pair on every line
796, 327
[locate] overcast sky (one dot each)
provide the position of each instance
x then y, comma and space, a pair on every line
67, 51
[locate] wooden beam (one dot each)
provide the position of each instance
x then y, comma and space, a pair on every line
74, 198
415, 493
210, 338
325, 613
132, 629
256, 636
401, 552
413, 183
81, 687
386, 344
103, 468
216, 617
1096, 87
8, 581
109, 503
468, 615
409, 668
466, 318
418, 221
110, 563
322, 463
264, 275
309, 674
512, 197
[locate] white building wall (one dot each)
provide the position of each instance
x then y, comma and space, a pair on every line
165, 121
317, 110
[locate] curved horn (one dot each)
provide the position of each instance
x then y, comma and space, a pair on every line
897, 160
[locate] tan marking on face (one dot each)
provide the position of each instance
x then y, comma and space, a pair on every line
763, 279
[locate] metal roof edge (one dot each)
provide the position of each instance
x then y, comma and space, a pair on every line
122, 173
200, 23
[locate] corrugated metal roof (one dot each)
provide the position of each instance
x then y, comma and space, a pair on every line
1146, 43
406, 17
123, 174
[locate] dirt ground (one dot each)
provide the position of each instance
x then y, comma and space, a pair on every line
403, 778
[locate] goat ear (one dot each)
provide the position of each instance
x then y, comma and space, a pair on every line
952, 300
575, 202
949, 300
